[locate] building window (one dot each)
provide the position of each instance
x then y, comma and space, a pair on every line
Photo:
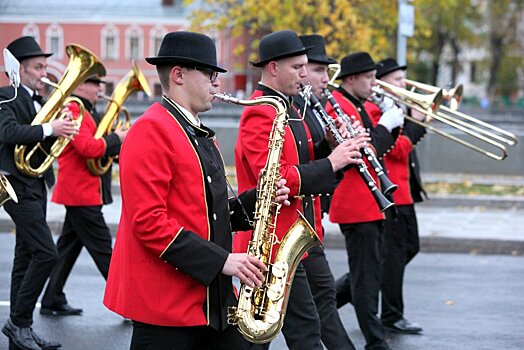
55, 40
134, 43
110, 43
155, 39
31, 29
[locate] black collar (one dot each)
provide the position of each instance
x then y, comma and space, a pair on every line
356, 101
200, 131
268, 91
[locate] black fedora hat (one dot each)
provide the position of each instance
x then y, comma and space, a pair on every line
94, 79
388, 65
187, 49
278, 45
317, 53
355, 63
26, 47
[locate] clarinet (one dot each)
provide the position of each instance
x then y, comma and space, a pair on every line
382, 202
388, 186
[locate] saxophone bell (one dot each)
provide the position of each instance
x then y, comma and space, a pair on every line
259, 315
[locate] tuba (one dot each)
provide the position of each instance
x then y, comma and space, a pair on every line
82, 64
6, 191
260, 312
132, 82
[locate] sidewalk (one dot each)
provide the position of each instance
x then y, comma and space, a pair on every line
465, 224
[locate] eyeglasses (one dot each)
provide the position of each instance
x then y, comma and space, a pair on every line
213, 75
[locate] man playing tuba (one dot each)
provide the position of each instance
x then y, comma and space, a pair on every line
35, 251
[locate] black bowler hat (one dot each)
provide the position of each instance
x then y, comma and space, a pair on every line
26, 47
388, 65
317, 53
278, 45
94, 79
187, 49
355, 63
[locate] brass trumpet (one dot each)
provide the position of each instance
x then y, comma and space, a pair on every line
429, 105
82, 64
132, 82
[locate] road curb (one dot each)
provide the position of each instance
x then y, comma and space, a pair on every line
335, 240
449, 245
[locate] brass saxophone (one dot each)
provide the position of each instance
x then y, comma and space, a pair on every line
260, 312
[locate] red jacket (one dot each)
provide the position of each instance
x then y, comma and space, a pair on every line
174, 234
302, 179
75, 185
352, 201
397, 159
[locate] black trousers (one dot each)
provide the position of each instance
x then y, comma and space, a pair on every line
35, 250
322, 284
149, 337
401, 244
301, 327
83, 226
363, 245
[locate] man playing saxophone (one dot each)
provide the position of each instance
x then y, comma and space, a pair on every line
283, 62
172, 263
35, 251
83, 195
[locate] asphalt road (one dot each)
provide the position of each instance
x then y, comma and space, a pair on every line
462, 301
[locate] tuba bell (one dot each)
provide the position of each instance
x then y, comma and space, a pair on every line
82, 64
134, 81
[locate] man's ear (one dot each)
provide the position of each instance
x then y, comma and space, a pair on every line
177, 75
272, 68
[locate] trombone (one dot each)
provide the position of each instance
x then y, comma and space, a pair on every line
429, 105
454, 96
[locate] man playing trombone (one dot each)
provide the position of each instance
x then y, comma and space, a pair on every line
401, 240
35, 251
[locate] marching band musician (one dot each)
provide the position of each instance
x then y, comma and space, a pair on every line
319, 275
353, 206
35, 251
172, 263
401, 240
282, 58
83, 195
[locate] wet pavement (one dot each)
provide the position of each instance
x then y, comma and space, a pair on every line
463, 301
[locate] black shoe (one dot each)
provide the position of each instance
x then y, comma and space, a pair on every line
403, 326
45, 344
62, 310
21, 337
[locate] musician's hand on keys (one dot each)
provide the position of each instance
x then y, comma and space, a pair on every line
282, 193
344, 154
247, 268
357, 126
361, 140
342, 128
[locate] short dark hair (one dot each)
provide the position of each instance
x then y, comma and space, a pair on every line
163, 75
